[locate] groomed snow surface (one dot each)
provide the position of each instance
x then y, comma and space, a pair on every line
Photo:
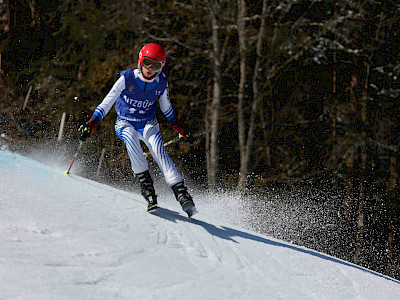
72, 238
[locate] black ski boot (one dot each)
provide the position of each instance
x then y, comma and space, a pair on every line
184, 198
148, 192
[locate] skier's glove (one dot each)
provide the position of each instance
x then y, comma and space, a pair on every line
183, 132
87, 129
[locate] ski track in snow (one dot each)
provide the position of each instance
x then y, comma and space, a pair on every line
72, 238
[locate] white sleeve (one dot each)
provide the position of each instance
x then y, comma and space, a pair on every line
104, 107
165, 105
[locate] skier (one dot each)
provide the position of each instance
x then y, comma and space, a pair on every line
136, 93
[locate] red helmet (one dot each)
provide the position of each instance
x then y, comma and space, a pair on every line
152, 51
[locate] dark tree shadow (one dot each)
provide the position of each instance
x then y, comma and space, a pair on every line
227, 233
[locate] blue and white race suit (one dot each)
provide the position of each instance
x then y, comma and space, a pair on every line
135, 100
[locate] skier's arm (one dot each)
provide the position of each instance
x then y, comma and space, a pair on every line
166, 106
168, 111
104, 107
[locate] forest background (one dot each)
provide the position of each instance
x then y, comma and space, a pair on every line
295, 101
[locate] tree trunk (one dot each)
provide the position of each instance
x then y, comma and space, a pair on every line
335, 102
392, 186
362, 109
213, 109
5, 28
241, 25
246, 145
32, 6
360, 213
394, 173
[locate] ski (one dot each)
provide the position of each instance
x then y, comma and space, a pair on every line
191, 211
189, 208
153, 207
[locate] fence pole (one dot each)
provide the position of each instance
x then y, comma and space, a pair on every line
100, 161
60, 133
27, 97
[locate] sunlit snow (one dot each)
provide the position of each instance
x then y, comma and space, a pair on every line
72, 238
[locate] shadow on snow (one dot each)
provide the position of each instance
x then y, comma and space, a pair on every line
227, 233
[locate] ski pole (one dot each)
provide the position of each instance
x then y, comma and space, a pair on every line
67, 173
175, 139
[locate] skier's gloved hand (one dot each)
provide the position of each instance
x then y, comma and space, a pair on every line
87, 129
188, 138
183, 132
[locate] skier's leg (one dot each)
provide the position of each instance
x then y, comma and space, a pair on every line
153, 140
147, 188
130, 136
183, 197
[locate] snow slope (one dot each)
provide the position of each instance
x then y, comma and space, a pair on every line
72, 238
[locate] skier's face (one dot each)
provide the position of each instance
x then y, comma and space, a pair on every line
148, 72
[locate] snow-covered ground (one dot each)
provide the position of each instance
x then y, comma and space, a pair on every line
71, 238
